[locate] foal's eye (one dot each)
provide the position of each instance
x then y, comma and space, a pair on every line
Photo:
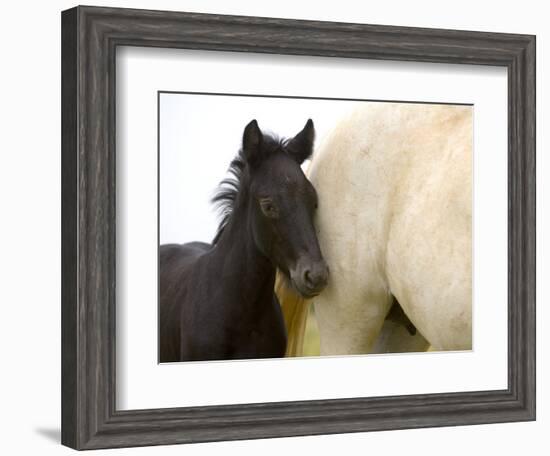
268, 208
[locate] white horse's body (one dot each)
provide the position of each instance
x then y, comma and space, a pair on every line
394, 184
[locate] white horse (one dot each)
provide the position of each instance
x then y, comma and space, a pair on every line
394, 183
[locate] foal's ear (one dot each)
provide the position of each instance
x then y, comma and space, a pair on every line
301, 146
252, 141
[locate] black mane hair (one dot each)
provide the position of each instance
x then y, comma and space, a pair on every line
225, 196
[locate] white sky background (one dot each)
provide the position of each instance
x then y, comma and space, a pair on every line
200, 135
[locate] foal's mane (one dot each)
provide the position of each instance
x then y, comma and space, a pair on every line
225, 196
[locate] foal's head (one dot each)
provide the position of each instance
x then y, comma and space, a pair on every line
280, 204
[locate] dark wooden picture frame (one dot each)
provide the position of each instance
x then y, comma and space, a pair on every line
90, 36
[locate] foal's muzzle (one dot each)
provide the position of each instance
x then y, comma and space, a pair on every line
310, 278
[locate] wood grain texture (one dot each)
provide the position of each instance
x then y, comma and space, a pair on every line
89, 40
69, 228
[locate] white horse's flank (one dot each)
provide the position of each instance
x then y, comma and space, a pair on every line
395, 192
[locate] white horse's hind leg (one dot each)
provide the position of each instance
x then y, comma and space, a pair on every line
429, 249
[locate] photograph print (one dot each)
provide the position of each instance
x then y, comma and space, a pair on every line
294, 226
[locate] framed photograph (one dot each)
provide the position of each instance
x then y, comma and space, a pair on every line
278, 227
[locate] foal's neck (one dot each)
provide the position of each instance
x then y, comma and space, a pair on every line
247, 271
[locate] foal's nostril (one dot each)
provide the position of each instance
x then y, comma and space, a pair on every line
307, 278
315, 277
